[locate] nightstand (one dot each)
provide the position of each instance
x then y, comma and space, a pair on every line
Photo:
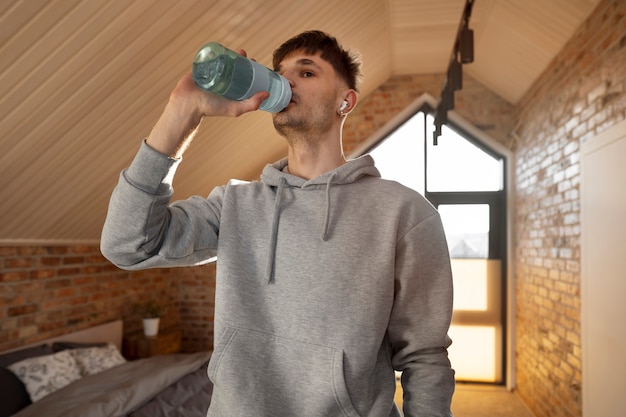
141, 346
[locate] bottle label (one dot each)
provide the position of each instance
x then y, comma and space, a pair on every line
260, 80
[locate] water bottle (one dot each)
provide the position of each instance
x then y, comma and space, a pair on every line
221, 71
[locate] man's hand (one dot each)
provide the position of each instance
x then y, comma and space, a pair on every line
186, 108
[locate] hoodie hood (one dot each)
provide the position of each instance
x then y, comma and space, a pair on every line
347, 173
275, 175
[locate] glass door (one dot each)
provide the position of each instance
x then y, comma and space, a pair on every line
476, 329
465, 181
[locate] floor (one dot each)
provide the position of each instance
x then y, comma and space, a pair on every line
487, 401
473, 400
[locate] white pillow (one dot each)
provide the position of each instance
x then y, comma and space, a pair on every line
43, 375
92, 360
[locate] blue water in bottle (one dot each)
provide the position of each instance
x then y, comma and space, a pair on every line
221, 71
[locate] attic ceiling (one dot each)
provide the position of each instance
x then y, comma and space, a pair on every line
82, 82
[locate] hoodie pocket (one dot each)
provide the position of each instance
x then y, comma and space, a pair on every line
266, 375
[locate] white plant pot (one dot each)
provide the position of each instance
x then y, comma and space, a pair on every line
151, 327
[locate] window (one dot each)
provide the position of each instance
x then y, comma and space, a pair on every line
465, 180
456, 164
467, 229
400, 156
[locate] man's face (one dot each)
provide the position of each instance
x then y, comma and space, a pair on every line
315, 93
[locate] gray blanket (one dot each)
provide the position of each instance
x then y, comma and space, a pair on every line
122, 390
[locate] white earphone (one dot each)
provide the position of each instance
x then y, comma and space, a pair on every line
343, 105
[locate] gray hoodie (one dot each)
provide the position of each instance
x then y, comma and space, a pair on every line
324, 286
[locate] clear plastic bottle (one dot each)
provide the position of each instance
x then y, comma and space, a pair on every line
221, 71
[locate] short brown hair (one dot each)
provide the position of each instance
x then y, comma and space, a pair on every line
346, 63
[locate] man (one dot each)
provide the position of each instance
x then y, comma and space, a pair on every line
328, 277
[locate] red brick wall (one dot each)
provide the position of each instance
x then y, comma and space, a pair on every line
196, 290
580, 94
47, 291
484, 109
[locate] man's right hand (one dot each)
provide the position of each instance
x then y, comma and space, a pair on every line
186, 108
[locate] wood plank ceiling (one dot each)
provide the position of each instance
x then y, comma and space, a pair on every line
81, 82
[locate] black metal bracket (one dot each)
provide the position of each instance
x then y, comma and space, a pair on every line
462, 53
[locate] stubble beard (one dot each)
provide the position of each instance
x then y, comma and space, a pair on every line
287, 125
303, 128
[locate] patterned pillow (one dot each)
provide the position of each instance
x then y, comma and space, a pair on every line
45, 374
13, 391
92, 360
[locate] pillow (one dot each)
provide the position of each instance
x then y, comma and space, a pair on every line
63, 345
13, 392
92, 360
45, 374
7, 359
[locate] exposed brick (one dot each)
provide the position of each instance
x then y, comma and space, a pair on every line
549, 380
18, 263
71, 260
42, 274
50, 261
22, 310
13, 276
49, 298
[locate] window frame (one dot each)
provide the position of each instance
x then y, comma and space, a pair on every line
498, 201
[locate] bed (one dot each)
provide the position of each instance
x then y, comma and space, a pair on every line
84, 374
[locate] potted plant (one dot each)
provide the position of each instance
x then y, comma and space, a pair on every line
150, 311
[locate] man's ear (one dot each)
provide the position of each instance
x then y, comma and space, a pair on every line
349, 102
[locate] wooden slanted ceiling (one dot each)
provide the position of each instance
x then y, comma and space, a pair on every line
81, 82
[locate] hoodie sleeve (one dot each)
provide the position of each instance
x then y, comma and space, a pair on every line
143, 230
420, 320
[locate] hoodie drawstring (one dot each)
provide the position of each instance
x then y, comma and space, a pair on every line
327, 214
271, 261
272, 252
